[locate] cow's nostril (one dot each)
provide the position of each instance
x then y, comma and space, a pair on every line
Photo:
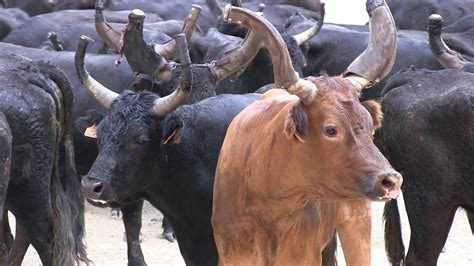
387, 183
98, 188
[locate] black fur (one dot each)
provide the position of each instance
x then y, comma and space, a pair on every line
428, 117
177, 178
43, 192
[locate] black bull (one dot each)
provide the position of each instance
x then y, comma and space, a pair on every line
428, 136
169, 161
37, 172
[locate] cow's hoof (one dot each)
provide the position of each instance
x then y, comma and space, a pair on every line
169, 236
116, 214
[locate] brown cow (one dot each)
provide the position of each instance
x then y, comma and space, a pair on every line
293, 168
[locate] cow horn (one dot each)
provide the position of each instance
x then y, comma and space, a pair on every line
110, 36
103, 95
311, 32
238, 58
237, 3
215, 8
140, 56
165, 105
445, 56
285, 75
169, 50
54, 39
377, 60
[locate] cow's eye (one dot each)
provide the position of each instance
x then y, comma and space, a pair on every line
330, 131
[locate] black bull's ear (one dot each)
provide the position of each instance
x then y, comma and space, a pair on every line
171, 129
88, 124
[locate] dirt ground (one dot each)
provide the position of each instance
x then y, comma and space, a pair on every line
106, 245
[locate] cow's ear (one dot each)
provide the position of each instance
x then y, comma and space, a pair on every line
91, 132
88, 123
172, 129
375, 110
296, 124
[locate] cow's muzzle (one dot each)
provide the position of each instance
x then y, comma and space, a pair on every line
96, 190
386, 186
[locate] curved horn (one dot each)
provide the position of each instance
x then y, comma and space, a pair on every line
285, 75
445, 56
110, 36
311, 32
377, 60
169, 50
237, 3
99, 91
238, 58
215, 8
53, 38
165, 105
140, 56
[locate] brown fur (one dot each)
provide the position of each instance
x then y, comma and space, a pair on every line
277, 200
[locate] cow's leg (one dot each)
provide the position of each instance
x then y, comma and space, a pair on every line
5, 166
354, 229
429, 230
470, 217
29, 200
6, 238
132, 220
168, 233
20, 246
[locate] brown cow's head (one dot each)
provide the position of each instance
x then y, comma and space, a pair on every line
335, 128
337, 131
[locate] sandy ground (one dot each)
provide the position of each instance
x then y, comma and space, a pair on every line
106, 245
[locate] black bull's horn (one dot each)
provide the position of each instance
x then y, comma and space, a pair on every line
303, 37
445, 56
114, 39
103, 95
161, 106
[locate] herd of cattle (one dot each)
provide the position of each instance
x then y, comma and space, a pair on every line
255, 128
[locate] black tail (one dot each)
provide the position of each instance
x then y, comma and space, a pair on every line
329, 252
67, 198
393, 234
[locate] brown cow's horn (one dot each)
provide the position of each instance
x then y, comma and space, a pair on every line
165, 105
110, 36
311, 32
169, 50
377, 60
238, 58
446, 57
285, 75
99, 91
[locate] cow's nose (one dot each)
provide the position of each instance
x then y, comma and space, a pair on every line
98, 188
93, 189
390, 183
